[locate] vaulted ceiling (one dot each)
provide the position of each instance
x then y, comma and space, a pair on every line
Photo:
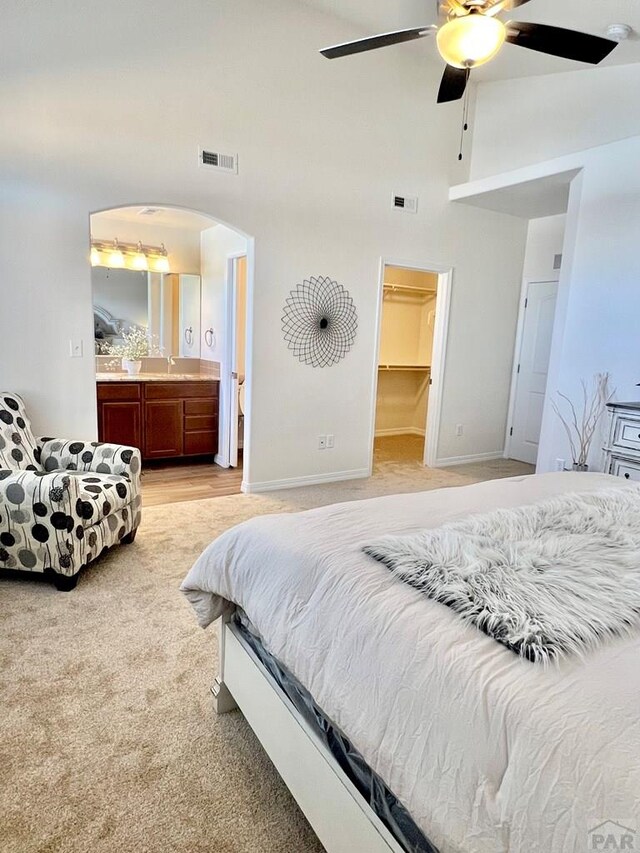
377, 16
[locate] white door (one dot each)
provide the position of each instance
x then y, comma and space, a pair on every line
533, 367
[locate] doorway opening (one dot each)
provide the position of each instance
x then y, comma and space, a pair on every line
160, 276
236, 301
412, 329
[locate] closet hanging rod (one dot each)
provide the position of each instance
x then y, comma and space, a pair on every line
407, 287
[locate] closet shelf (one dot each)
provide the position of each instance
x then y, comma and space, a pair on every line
408, 290
418, 367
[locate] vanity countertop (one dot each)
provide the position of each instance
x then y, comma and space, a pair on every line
155, 377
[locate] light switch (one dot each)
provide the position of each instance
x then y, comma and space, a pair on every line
75, 348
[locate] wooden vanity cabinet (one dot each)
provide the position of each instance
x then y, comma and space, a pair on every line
120, 413
164, 419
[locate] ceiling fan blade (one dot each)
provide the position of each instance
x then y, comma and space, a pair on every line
454, 82
502, 6
375, 42
556, 41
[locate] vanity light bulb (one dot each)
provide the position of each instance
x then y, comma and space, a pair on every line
94, 257
161, 264
140, 261
116, 258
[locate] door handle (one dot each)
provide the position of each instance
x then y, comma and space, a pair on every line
188, 335
210, 338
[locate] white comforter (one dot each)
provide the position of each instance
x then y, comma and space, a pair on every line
488, 752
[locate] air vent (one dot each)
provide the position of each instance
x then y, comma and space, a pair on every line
216, 160
557, 262
408, 203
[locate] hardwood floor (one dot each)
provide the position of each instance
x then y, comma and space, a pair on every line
164, 483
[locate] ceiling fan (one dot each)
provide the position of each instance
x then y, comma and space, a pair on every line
473, 34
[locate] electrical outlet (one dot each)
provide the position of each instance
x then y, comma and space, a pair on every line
559, 464
331, 440
322, 442
75, 348
459, 429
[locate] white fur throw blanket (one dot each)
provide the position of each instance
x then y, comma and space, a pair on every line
546, 580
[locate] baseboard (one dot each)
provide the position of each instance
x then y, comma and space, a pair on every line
400, 431
296, 482
464, 460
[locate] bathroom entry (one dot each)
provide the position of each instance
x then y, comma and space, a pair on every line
404, 364
237, 325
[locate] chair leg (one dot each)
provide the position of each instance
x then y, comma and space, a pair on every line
129, 538
65, 583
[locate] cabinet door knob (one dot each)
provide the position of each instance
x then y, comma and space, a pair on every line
627, 476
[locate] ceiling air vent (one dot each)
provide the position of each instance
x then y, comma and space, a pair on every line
216, 160
557, 262
409, 203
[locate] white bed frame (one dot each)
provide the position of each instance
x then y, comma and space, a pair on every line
338, 813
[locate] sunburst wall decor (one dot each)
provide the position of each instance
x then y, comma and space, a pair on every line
319, 321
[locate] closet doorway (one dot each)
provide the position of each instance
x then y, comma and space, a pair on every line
413, 308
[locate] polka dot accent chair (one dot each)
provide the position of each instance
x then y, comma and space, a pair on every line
62, 503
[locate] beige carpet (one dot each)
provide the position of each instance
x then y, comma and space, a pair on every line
108, 742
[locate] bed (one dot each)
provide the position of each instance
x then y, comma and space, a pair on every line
486, 752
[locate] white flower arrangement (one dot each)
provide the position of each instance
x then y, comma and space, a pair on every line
136, 344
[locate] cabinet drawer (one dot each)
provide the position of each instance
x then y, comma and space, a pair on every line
626, 433
196, 443
119, 391
179, 390
194, 423
201, 407
626, 468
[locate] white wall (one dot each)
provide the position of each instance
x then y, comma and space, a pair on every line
532, 119
217, 244
182, 244
545, 240
92, 130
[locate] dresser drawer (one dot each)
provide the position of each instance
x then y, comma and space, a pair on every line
626, 468
626, 433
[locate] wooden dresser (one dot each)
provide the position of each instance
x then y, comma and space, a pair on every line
622, 452
164, 419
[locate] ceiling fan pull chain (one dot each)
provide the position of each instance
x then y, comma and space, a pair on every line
465, 115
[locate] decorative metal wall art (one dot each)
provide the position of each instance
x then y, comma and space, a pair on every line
319, 321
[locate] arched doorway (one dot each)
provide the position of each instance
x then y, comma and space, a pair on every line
165, 276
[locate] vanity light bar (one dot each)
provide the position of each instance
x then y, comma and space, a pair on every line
135, 256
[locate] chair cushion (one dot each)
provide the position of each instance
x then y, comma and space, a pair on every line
100, 495
19, 449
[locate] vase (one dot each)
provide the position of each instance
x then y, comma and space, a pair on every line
132, 367
577, 466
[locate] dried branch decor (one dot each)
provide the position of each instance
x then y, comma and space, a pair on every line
580, 427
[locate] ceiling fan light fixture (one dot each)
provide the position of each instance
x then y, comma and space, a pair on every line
465, 42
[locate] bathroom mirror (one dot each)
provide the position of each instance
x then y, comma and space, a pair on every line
166, 304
